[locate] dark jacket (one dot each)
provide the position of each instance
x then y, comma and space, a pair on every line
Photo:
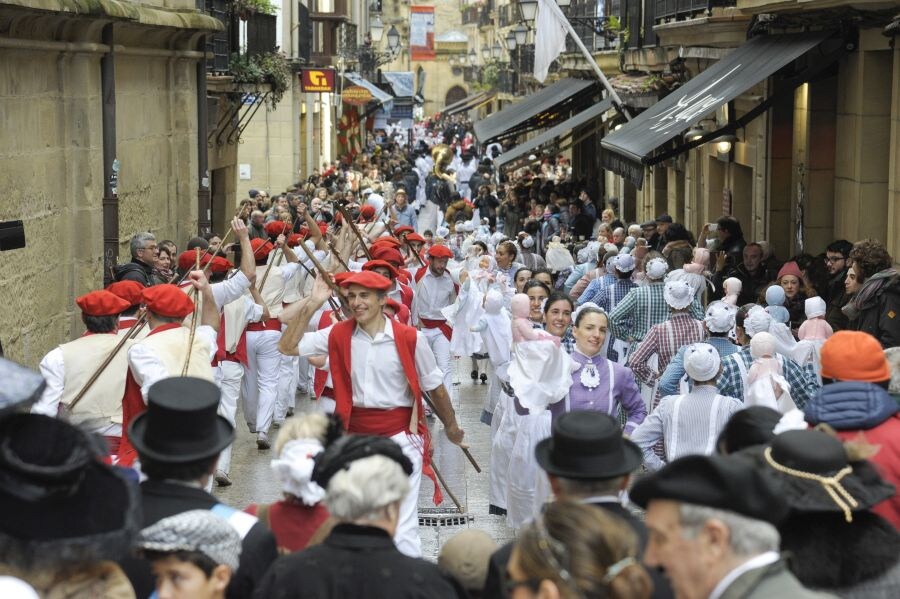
582, 226
494, 586
769, 582
879, 313
836, 299
163, 499
134, 271
356, 561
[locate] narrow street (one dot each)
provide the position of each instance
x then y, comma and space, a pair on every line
254, 482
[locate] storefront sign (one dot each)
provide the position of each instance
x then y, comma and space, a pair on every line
356, 95
317, 80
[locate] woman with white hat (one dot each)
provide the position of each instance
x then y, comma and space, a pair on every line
689, 423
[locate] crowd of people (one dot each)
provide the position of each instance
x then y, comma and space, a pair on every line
669, 413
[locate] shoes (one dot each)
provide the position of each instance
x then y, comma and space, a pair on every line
474, 375
251, 428
290, 412
222, 479
277, 423
262, 441
483, 379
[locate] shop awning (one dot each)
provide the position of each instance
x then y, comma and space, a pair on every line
378, 95
467, 103
561, 130
632, 147
402, 83
541, 109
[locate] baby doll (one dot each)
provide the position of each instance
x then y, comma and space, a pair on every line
775, 304
558, 257
733, 287
766, 384
522, 329
813, 333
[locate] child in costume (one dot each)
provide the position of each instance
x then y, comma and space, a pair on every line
766, 385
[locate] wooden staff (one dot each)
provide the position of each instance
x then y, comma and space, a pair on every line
415, 253
178, 280
338, 256
325, 275
444, 484
190, 345
349, 222
371, 225
431, 405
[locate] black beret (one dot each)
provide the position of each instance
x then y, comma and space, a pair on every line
724, 482
346, 450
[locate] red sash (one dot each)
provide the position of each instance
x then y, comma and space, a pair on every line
438, 324
379, 421
133, 405
222, 355
272, 324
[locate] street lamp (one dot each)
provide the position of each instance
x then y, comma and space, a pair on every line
529, 10
376, 29
496, 50
521, 33
485, 53
462, 58
511, 41
393, 39
473, 57
725, 143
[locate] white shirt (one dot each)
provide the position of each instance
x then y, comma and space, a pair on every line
148, 368
760, 561
225, 292
433, 294
376, 373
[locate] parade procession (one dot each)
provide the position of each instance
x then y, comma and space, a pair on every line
558, 299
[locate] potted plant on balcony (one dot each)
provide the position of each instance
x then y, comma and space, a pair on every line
267, 68
247, 8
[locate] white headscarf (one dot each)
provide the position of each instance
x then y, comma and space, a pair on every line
294, 469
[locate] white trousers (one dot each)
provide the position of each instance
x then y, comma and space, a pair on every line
231, 373
260, 386
440, 346
503, 437
304, 379
288, 373
406, 538
429, 217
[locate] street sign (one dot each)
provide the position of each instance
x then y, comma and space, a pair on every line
317, 80
356, 95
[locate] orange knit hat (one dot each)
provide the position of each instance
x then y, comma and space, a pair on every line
854, 356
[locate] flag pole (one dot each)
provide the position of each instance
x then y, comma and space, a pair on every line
558, 13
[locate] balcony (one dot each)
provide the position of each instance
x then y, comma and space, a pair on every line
677, 10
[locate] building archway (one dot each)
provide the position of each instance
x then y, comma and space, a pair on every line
455, 94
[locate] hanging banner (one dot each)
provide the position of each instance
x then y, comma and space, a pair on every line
421, 32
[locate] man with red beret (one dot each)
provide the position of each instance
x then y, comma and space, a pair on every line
169, 349
260, 384
435, 290
130, 291
379, 369
68, 368
398, 291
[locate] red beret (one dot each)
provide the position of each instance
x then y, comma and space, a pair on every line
261, 248
187, 260
403, 229
130, 291
295, 239
440, 251
323, 227
388, 241
367, 212
101, 303
388, 254
415, 238
277, 227
343, 276
373, 264
168, 300
369, 280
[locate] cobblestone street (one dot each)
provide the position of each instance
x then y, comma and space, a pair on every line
254, 482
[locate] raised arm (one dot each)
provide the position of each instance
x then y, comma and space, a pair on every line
298, 315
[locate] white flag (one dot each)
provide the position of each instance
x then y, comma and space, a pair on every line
549, 37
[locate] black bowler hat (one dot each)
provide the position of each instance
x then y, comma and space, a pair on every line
350, 448
57, 497
728, 483
181, 423
587, 445
814, 474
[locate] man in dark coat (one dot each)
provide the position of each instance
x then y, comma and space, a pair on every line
837, 261
178, 461
144, 252
586, 460
366, 479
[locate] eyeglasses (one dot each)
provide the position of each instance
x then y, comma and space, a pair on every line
152, 248
832, 259
510, 585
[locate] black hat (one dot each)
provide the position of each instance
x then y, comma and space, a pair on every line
723, 482
57, 495
181, 424
649, 224
805, 464
664, 218
346, 450
587, 445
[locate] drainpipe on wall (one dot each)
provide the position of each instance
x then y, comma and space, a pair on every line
110, 163
204, 208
